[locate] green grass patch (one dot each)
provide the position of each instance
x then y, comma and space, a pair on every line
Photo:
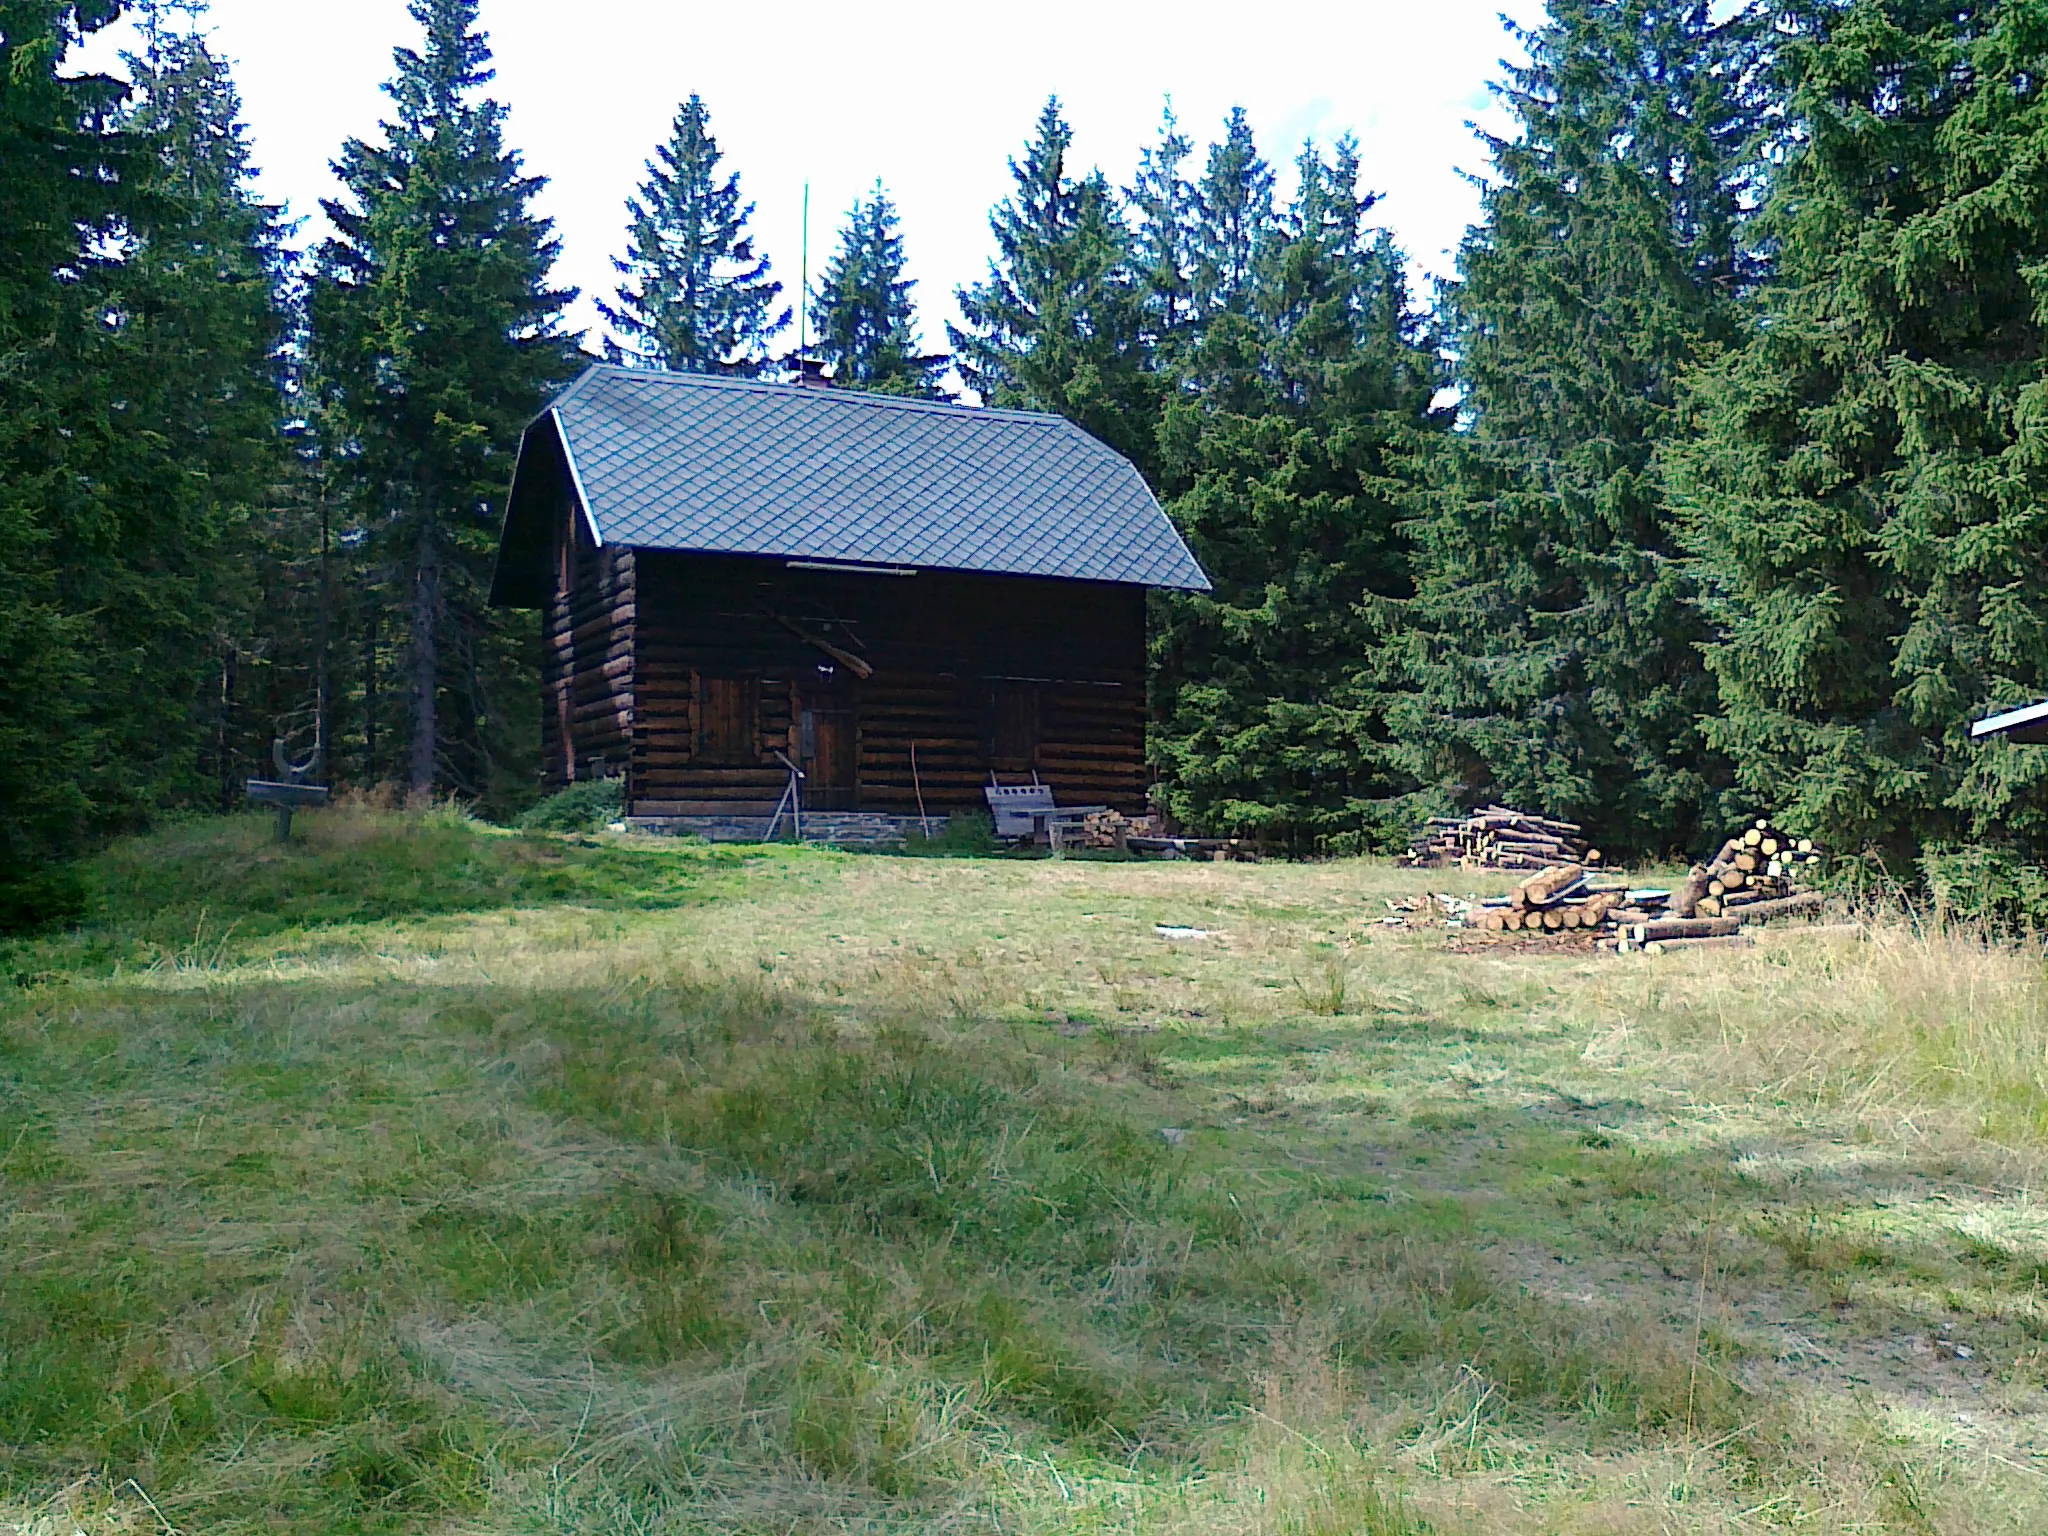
591, 1184
192, 894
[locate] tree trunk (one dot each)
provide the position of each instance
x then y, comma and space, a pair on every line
321, 639
426, 660
370, 697
224, 747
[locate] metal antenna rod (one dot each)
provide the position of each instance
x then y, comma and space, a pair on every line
803, 292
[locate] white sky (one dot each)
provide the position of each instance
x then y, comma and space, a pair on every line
931, 98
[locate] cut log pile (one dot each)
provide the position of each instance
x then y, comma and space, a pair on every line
1498, 837
1557, 899
1751, 880
1758, 864
1147, 836
1109, 829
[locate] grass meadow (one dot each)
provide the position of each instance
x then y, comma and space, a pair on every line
426, 1177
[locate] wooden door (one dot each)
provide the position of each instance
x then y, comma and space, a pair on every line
829, 732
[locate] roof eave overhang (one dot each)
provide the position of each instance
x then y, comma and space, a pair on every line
872, 565
2028, 725
576, 477
519, 577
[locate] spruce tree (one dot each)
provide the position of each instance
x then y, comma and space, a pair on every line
1233, 218
137, 423
1863, 494
1162, 204
867, 322
1552, 651
203, 281
1283, 446
697, 298
1058, 324
436, 337
63, 182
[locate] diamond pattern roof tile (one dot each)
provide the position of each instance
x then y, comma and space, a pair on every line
684, 461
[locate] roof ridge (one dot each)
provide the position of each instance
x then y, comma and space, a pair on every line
674, 377
570, 390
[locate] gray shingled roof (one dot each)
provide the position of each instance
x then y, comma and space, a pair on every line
682, 461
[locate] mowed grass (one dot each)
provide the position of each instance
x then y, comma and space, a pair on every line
425, 1177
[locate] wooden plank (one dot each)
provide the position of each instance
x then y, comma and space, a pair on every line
1089, 752
676, 807
938, 753
590, 628
713, 781
593, 685
719, 773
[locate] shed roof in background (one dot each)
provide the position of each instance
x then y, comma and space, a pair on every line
2028, 725
727, 466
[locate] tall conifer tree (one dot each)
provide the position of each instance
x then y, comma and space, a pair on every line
137, 421
437, 337
867, 322
1058, 324
63, 179
204, 283
1864, 494
1163, 206
1552, 648
1233, 218
1283, 445
697, 297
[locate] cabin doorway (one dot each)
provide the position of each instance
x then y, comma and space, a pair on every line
829, 736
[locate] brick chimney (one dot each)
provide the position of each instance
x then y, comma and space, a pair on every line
808, 373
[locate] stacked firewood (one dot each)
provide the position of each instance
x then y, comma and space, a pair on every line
1750, 881
1110, 829
1498, 837
1147, 836
1757, 865
1557, 899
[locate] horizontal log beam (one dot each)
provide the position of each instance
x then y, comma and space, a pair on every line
651, 806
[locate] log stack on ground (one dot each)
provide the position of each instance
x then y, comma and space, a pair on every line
1556, 899
1112, 829
1750, 881
1498, 837
1758, 864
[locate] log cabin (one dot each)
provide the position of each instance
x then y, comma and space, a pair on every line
906, 599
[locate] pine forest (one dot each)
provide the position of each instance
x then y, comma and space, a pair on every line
1712, 484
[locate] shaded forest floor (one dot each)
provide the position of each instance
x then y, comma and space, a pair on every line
424, 1177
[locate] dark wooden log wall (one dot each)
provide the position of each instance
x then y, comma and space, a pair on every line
587, 665
962, 665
